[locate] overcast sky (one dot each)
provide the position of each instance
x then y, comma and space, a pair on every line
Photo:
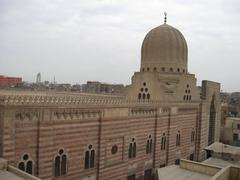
80, 40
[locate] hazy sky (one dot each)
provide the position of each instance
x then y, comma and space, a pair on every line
80, 40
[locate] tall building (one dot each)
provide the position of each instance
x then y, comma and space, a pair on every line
163, 117
38, 79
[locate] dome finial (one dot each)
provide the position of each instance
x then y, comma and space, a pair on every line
165, 18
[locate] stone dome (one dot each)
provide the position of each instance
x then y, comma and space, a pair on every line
164, 49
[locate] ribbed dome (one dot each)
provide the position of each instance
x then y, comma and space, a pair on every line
164, 49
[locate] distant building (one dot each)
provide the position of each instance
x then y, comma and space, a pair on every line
230, 133
76, 87
6, 81
63, 87
38, 79
98, 87
232, 101
224, 113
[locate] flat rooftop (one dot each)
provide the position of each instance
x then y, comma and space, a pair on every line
191, 170
8, 172
220, 162
218, 147
174, 172
6, 175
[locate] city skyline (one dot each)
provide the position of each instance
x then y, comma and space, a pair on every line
101, 40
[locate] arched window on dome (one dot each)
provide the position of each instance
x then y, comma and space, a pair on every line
144, 95
171, 69
139, 96
187, 92
143, 69
148, 69
163, 69
178, 69
148, 96
155, 69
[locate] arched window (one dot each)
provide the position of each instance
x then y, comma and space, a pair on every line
60, 163
26, 164
149, 145
64, 164
92, 157
89, 157
212, 121
148, 96
57, 166
150, 149
192, 135
163, 69
154, 69
29, 168
132, 149
144, 95
171, 69
21, 166
187, 95
148, 69
139, 95
178, 139
163, 142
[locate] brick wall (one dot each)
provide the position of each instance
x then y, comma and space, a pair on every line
9, 81
41, 132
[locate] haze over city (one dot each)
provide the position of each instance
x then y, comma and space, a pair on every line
76, 41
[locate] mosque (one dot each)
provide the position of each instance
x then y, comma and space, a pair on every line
163, 117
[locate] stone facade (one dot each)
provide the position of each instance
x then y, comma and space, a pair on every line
230, 133
163, 117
